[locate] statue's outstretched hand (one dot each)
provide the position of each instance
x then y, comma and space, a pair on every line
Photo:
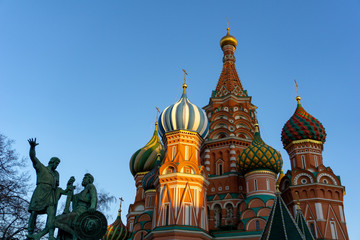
32, 142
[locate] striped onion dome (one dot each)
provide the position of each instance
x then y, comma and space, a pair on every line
302, 125
183, 115
144, 159
259, 156
117, 230
149, 178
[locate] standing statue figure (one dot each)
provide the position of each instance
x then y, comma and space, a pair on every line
44, 199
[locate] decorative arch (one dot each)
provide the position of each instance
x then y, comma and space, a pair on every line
255, 203
252, 224
321, 175
303, 174
248, 213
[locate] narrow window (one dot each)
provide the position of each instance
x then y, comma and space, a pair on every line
303, 161
341, 214
333, 230
319, 211
267, 184
316, 161
255, 185
149, 202
186, 153
220, 169
173, 152
293, 162
257, 224
312, 229
187, 215
167, 215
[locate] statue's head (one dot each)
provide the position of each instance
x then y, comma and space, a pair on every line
88, 178
54, 162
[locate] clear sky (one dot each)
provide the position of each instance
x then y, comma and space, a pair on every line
84, 77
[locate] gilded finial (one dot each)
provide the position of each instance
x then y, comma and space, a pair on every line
277, 189
298, 98
184, 85
228, 26
256, 125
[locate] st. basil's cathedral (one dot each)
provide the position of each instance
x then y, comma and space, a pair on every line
210, 175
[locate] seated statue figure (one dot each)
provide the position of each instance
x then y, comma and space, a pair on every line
85, 201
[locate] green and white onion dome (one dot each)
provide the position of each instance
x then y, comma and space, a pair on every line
183, 115
144, 159
259, 156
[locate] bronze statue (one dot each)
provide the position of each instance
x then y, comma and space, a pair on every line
44, 198
83, 222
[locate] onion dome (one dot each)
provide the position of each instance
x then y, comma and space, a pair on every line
301, 126
144, 159
183, 115
117, 230
259, 156
149, 178
228, 39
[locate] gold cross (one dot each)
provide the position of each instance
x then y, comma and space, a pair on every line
185, 74
297, 90
157, 112
121, 200
228, 25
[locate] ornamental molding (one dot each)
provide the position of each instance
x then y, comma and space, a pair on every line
303, 141
303, 174
260, 171
327, 175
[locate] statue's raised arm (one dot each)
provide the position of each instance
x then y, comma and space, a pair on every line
32, 153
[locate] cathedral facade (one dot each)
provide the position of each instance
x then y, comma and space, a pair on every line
208, 174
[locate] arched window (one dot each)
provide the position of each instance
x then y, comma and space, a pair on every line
217, 215
229, 214
257, 225
220, 168
255, 185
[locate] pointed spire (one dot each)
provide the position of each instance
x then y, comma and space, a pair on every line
281, 224
301, 222
229, 82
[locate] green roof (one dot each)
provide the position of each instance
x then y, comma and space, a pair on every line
281, 224
300, 221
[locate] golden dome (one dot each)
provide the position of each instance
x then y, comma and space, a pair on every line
228, 39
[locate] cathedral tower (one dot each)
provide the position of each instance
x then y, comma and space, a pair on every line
231, 117
180, 207
319, 189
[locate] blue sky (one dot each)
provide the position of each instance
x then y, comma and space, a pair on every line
84, 77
